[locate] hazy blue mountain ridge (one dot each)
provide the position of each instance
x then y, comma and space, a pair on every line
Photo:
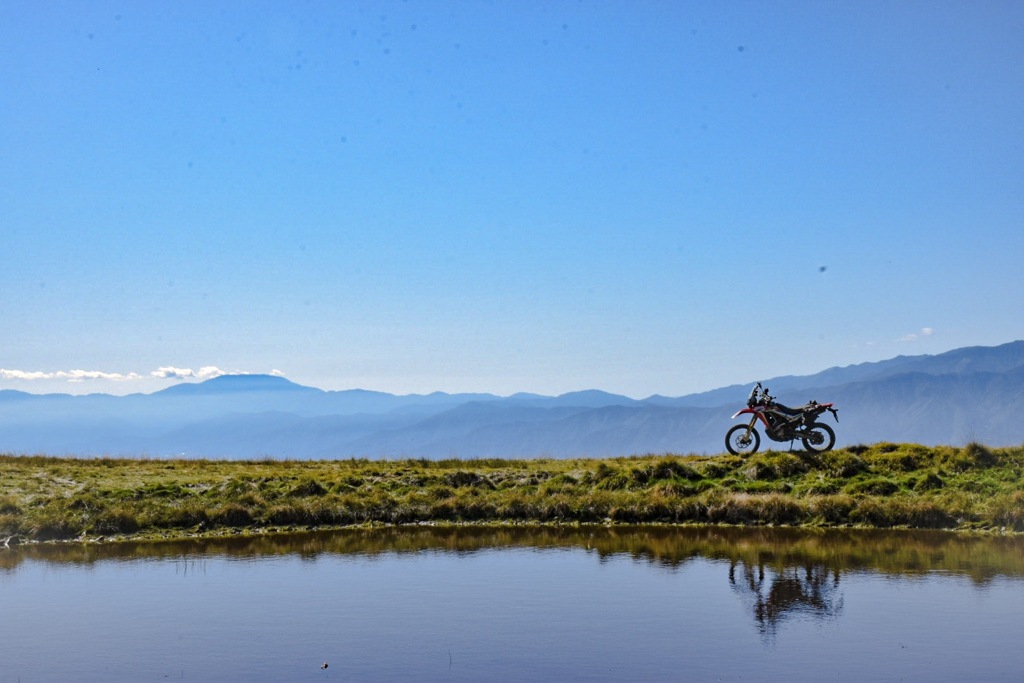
993, 359
974, 393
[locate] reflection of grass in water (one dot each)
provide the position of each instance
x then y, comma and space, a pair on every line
981, 557
884, 485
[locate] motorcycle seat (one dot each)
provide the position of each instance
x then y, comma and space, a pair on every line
791, 411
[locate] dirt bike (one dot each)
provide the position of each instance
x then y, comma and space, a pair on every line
781, 423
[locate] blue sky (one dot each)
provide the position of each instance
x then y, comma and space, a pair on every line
641, 197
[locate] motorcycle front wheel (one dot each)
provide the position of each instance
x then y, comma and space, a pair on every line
819, 438
742, 440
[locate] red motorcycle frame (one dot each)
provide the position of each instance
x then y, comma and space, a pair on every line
781, 423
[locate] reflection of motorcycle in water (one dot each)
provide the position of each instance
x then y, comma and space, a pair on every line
807, 589
781, 423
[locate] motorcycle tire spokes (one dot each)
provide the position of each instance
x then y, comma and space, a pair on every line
742, 440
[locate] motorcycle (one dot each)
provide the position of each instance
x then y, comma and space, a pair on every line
781, 423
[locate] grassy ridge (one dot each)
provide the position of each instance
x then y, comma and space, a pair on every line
884, 485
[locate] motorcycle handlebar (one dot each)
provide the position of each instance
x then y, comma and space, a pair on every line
759, 395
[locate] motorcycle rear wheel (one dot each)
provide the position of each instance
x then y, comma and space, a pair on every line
740, 443
820, 438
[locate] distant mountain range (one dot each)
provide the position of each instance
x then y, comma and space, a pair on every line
969, 394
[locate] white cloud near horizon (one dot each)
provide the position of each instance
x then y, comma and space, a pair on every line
165, 372
69, 375
914, 336
206, 372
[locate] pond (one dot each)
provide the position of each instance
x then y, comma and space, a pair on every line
519, 604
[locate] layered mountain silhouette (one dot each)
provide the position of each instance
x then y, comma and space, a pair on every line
969, 394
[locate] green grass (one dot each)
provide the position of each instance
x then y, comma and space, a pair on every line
883, 485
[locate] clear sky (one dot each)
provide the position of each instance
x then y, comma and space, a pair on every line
645, 197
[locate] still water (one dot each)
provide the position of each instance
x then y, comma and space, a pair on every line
516, 604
